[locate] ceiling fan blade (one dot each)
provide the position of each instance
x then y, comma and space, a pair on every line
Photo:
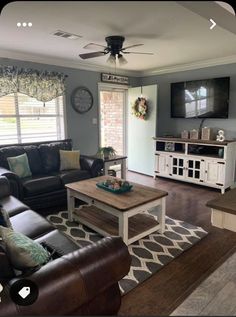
138, 53
135, 45
93, 46
91, 55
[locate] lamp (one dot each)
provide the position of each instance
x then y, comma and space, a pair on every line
111, 59
122, 60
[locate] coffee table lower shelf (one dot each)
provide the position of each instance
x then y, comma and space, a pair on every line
140, 225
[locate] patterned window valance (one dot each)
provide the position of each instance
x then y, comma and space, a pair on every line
44, 86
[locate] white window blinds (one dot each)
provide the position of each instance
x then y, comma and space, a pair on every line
24, 119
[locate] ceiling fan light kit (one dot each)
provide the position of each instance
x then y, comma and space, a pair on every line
111, 59
114, 47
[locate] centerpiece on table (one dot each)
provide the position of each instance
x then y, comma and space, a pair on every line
115, 186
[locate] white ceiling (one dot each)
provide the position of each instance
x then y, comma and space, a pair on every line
173, 32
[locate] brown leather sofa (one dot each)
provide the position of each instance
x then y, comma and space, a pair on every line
77, 281
46, 187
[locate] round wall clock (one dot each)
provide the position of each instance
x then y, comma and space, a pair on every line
82, 99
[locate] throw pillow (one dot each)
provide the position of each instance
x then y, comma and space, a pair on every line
23, 252
69, 160
19, 165
4, 219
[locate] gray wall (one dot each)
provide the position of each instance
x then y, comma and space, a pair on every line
167, 125
79, 126
85, 134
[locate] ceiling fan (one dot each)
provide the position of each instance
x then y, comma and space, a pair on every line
114, 47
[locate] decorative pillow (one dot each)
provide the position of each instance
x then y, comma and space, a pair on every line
23, 252
4, 219
19, 165
69, 160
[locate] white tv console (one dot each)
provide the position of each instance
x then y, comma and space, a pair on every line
209, 163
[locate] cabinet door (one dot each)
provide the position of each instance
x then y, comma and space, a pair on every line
214, 172
195, 169
177, 166
163, 164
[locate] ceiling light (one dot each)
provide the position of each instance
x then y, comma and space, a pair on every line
111, 59
122, 60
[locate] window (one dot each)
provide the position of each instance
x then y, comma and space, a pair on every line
24, 119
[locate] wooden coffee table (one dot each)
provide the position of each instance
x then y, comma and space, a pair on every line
122, 215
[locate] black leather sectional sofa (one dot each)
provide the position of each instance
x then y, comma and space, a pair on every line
45, 188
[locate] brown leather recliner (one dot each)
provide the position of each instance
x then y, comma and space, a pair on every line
79, 281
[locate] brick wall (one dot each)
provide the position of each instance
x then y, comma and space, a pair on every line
112, 120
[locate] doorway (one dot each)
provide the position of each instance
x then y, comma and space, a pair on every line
112, 118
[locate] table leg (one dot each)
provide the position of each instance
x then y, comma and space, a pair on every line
162, 215
70, 205
123, 227
123, 169
106, 168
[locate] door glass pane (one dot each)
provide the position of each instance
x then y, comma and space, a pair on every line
197, 165
180, 171
190, 163
112, 120
190, 173
174, 161
181, 162
175, 170
197, 174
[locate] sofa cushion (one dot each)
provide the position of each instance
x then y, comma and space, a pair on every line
31, 224
34, 159
20, 165
9, 151
12, 205
41, 184
50, 155
57, 241
71, 176
23, 252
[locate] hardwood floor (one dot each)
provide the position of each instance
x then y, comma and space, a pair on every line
215, 296
166, 290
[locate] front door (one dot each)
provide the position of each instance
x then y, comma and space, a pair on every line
141, 151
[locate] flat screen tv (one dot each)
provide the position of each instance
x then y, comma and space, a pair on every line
208, 98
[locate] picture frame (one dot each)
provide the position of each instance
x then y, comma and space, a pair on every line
112, 78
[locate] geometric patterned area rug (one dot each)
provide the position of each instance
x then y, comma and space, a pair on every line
149, 254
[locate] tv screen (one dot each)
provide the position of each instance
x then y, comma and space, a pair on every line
208, 98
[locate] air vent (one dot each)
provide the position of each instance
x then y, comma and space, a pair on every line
67, 35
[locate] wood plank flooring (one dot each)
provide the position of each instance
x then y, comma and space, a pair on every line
215, 296
162, 293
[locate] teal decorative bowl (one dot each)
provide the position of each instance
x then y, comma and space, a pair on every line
121, 190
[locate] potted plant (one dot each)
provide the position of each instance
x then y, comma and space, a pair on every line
106, 152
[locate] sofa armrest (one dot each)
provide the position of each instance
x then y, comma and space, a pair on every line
75, 279
14, 181
92, 164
